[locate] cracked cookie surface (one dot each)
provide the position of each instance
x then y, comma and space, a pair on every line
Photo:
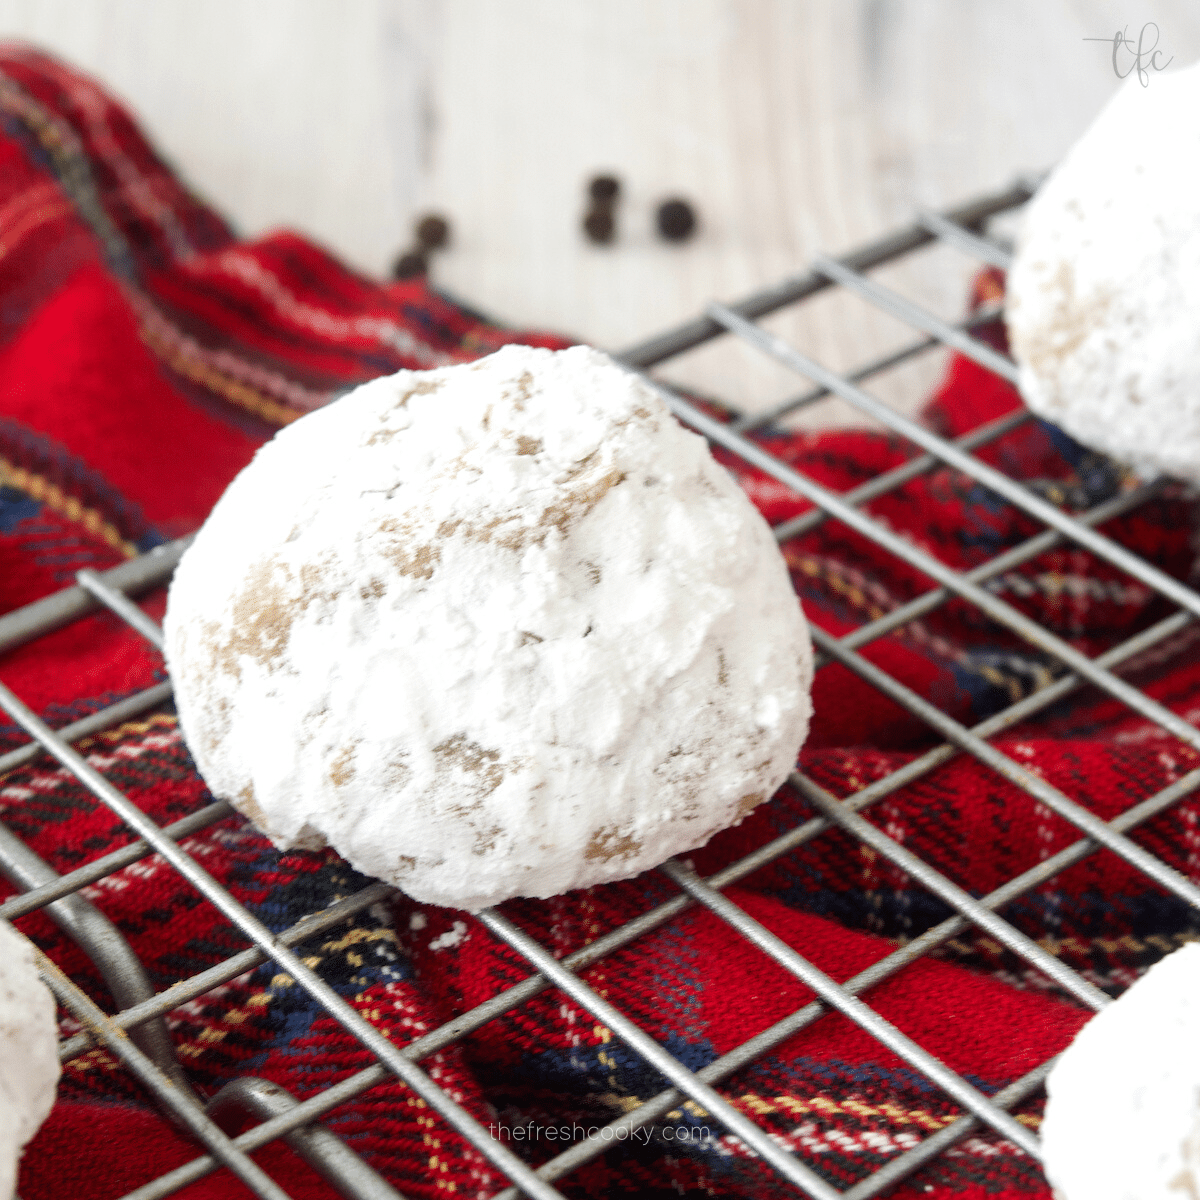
496, 629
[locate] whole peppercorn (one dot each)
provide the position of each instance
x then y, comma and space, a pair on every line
599, 225
604, 189
676, 220
410, 263
600, 221
433, 231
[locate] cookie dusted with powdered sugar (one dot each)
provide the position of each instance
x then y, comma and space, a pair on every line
1123, 1111
499, 629
1104, 293
29, 1067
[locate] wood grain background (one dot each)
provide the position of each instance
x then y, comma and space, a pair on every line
794, 126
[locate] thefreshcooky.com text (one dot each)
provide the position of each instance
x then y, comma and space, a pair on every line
578, 1133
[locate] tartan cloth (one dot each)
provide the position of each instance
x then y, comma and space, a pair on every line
146, 351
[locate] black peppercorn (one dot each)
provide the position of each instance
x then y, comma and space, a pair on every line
604, 189
599, 225
433, 231
410, 263
600, 221
676, 220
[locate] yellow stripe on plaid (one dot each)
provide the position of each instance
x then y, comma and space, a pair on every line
120, 732
184, 359
39, 488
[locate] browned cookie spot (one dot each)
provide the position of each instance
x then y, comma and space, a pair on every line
576, 504
485, 840
262, 618
423, 387
523, 391
263, 614
609, 842
747, 804
415, 561
471, 758
312, 578
342, 769
513, 532
722, 670
1045, 348
249, 807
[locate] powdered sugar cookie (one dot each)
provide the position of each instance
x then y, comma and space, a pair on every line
1123, 1116
29, 1067
490, 630
1105, 287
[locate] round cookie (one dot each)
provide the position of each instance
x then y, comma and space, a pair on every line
29, 1067
492, 630
1123, 1110
1104, 291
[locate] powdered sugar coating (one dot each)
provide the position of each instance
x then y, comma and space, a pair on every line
1123, 1115
29, 1066
490, 630
1104, 292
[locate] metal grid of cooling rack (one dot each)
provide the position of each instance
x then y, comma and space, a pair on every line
146, 1051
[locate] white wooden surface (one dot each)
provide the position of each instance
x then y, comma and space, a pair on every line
795, 126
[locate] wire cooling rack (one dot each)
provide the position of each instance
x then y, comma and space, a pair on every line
136, 1034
